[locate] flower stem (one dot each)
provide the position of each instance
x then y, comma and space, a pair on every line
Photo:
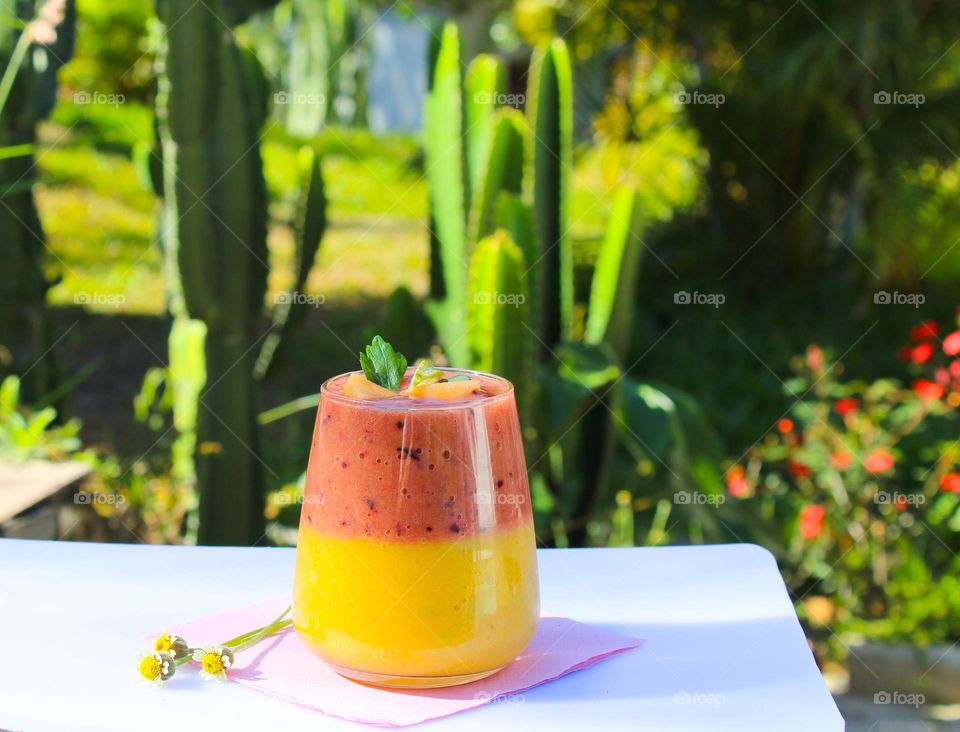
13, 66
248, 639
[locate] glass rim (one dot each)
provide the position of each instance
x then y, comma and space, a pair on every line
418, 405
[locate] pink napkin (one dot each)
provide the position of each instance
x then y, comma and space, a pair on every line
282, 666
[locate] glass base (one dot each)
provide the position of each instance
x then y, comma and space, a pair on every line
387, 681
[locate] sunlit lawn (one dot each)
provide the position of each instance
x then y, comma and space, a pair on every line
100, 219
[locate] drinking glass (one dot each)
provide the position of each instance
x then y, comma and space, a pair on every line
416, 560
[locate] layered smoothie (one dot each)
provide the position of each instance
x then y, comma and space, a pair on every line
416, 561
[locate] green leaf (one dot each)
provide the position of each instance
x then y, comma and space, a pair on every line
667, 426
425, 374
382, 365
9, 396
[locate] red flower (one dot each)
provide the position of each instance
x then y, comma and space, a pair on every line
798, 470
904, 353
921, 353
901, 503
785, 425
951, 344
955, 368
950, 483
926, 389
814, 357
926, 329
879, 461
736, 482
843, 407
811, 520
942, 376
841, 460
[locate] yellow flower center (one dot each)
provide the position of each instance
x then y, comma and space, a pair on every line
163, 643
151, 668
212, 663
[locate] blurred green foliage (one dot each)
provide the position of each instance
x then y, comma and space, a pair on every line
114, 54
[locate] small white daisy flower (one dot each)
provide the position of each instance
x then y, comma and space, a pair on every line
215, 661
156, 667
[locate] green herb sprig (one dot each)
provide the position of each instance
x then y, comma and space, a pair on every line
382, 365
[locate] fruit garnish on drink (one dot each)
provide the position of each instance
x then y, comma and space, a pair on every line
384, 377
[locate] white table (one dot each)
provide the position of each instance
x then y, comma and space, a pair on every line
724, 649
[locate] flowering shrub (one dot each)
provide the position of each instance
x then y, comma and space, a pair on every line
856, 489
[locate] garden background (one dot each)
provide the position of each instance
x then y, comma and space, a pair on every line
715, 245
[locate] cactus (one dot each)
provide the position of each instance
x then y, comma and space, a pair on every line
214, 235
550, 107
27, 95
483, 86
310, 221
501, 171
497, 309
449, 195
613, 290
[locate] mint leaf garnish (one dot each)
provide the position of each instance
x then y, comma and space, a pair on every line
425, 374
458, 377
382, 365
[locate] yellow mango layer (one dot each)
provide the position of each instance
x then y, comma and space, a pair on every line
437, 608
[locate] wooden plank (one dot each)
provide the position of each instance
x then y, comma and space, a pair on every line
23, 485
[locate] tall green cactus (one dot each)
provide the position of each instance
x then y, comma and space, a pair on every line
500, 171
474, 151
214, 231
449, 194
514, 192
550, 107
497, 309
613, 290
484, 84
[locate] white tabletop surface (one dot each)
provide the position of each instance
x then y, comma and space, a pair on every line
724, 650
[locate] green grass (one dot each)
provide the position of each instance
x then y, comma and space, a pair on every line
100, 215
